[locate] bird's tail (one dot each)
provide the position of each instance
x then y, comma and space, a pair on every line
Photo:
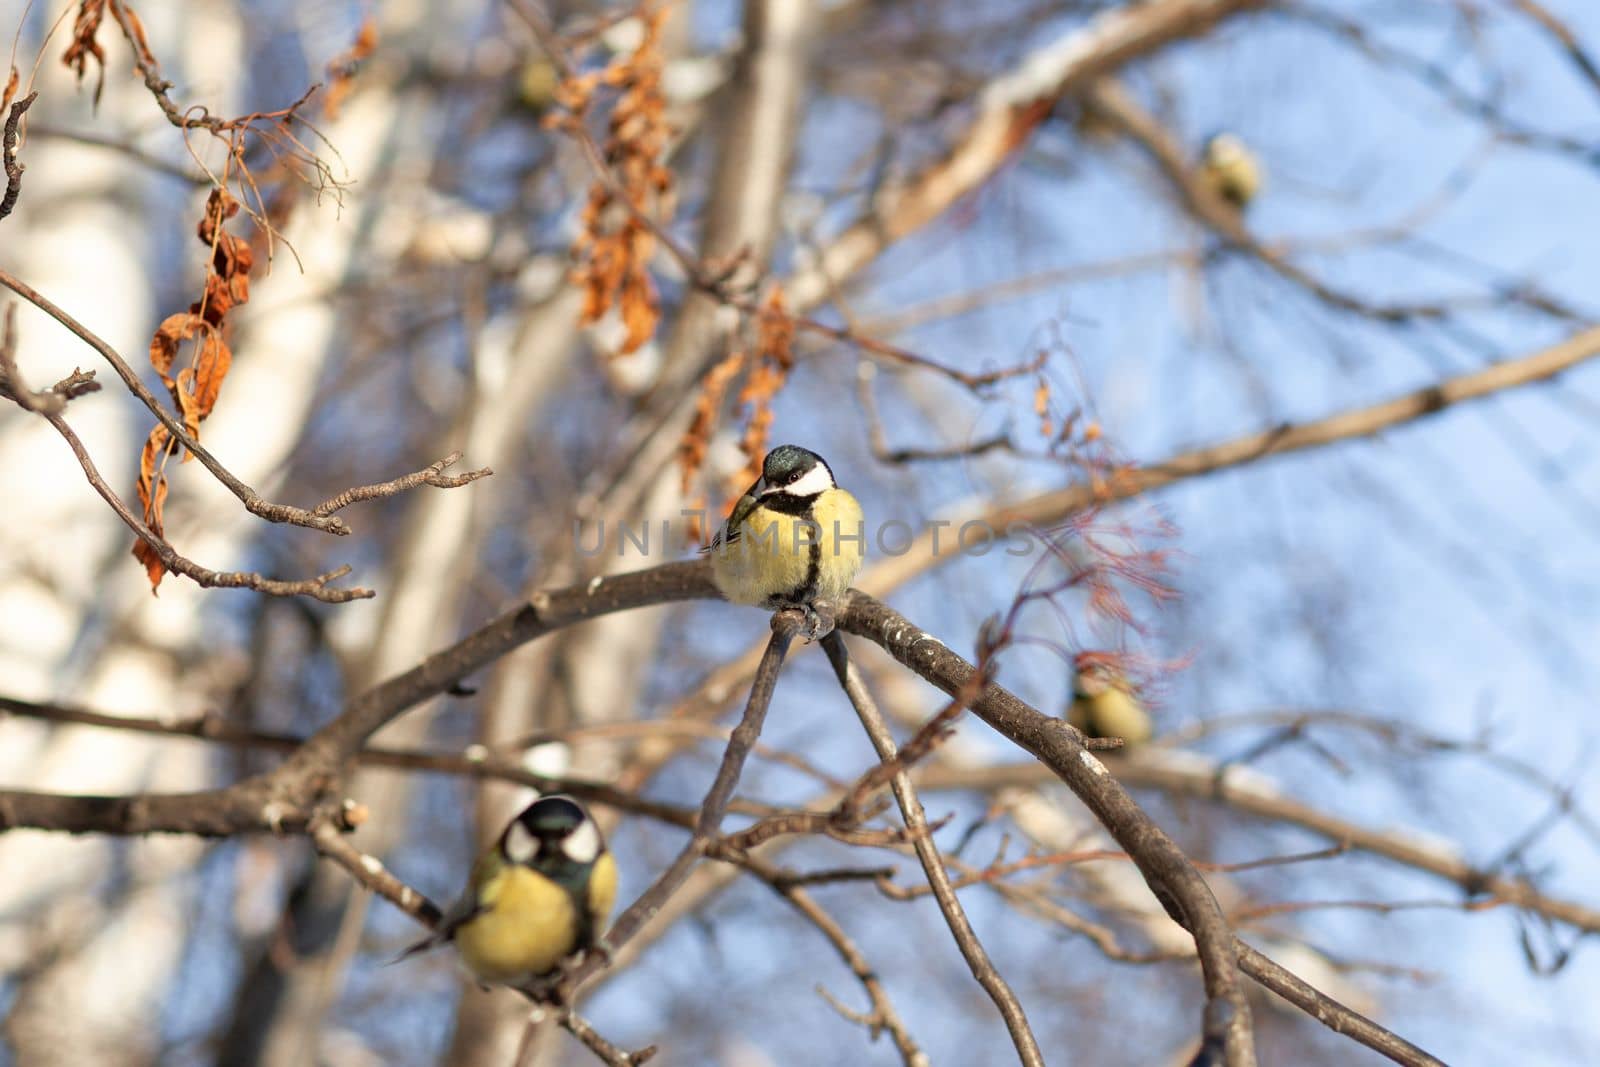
433, 940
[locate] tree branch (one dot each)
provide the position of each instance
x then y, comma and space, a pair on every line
916, 820
1171, 877
1253, 793
785, 625
1329, 1012
253, 501
8, 154
317, 588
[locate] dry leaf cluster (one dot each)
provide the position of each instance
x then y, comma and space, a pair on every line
195, 387
618, 236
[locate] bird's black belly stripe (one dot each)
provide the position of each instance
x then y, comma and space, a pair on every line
806, 591
580, 905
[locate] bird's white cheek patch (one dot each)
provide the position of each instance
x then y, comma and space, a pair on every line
816, 480
583, 844
521, 846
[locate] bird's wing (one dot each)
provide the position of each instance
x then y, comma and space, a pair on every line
1078, 713
729, 533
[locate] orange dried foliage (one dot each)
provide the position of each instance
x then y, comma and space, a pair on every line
84, 47
228, 274
153, 496
697, 439
141, 42
1041, 408
194, 388
10, 91
614, 246
342, 68
770, 372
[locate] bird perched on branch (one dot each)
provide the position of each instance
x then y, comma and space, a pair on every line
1103, 701
538, 896
794, 539
1231, 170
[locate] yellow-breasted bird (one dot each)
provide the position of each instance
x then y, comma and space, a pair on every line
538, 895
794, 538
1231, 169
1103, 702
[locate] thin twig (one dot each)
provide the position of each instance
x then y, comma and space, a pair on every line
433, 475
1255, 794
51, 401
883, 1015
1166, 869
579, 1027
785, 626
126, 148
8, 154
955, 916
252, 501
317, 588
370, 872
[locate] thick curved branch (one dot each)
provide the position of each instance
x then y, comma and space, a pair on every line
1173, 879
284, 799
1329, 1012
1008, 110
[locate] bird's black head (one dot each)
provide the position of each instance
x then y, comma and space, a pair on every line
552, 828
795, 471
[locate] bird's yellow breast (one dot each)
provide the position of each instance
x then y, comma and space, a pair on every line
781, 557
529, 923
1112, 712
844, 541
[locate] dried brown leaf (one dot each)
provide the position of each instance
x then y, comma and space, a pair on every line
342, 68
153, 498
173, 331
84, 47
697, 439
615, 244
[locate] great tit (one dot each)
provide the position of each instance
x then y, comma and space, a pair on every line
793, 539
538, 895
1103, 703
1231, 169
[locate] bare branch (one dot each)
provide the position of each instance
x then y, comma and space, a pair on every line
1253, 793
1171, 877
8, 154
50, 401
1048, 509
1329, 1012
433, 475
911, 810
883, 1015
253, 501
1111, 100
785, 625
317, 588
579, 1027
